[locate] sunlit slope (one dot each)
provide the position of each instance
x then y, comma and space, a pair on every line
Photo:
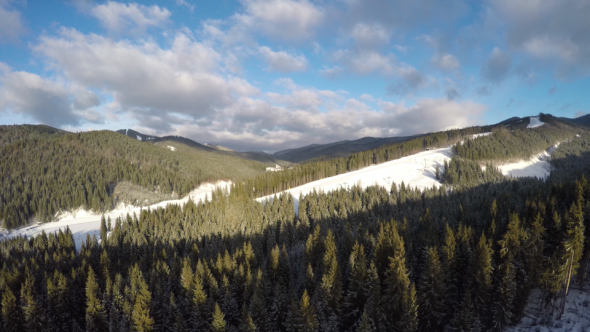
44, 170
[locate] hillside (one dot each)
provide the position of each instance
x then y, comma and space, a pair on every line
480, 255
336, 149
261, 157
45, 170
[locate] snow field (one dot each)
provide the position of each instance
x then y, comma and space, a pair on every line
538, 166
535, 122
576, 316
82, 222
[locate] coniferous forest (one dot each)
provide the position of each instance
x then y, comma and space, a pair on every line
462, 257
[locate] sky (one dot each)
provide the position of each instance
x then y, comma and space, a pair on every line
268, 75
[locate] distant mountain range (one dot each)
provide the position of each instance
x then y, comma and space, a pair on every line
337, 149
265, 158
324, 151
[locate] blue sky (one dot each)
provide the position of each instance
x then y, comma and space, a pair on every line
275, 74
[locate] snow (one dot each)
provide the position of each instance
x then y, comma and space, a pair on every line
82, 222
538, 166
482, 134
418, 170
138, 137
170, 147
576, 316
535, 122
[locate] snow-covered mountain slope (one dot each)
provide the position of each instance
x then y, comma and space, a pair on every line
416, 171
82, 222
535, 122
538, 166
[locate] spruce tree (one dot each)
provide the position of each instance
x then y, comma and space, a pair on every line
307, 320
12, 318
218, 323
432, 294
95, 312
34, 315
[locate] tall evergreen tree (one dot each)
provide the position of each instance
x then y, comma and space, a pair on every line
306, 320
432, 294
95, 312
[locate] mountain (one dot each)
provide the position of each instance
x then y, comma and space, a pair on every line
337, 149
265, 158
582, 120
45, 170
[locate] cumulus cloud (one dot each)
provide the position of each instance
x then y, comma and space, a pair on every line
331, 72
47, 101
130, 18
290, 20
369, 35
254, 123
183, 78
497, 66
183, 3
552, 30
11, 25
283, 61
445, 62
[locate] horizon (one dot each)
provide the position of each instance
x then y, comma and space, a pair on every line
270, 75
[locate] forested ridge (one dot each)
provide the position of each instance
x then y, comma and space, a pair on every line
44, 170
372, 260
462, 257
522, 143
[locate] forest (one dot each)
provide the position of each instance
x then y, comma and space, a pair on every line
44, 170
461, 257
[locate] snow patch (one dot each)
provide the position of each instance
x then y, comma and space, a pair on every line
538, 317
481, 135
83, 222
418, 170
138, 137
170, 147
538, 166
535, 122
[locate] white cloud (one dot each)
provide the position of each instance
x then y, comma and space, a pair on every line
497, 66
47, 101
331, 72
184, 78
11, 25
290, 20
283, 61
130, 18
370, 35
445, 62
183, 3
252, 123
552, 31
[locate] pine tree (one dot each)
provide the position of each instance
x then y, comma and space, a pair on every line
12, 318
218, 324
432, 294
358, 288
398, 306
103, 232
34, 315
480, 285
331, 288
141, 317
95, 313
502, 307
307, 320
